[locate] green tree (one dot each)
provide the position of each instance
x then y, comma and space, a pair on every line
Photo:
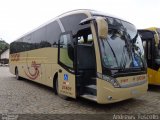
3, 46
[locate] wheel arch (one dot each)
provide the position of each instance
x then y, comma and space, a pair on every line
15, 69
55, 78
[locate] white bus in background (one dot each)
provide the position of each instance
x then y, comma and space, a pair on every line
4, 57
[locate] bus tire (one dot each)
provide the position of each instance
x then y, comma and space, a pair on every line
54, 83
56, 91
17, 74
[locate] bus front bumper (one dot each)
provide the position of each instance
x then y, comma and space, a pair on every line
106, 93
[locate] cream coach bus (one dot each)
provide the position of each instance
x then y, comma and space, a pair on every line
83, 53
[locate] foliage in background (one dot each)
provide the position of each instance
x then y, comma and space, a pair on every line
3, 46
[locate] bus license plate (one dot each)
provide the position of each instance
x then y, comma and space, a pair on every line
134, 92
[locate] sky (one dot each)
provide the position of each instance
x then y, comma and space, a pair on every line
18, 17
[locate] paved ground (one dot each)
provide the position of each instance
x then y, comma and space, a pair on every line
21, 97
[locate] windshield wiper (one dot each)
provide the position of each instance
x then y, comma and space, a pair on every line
139, 55
134, 39
135, 47
129, 47
113, 52
114, 68
123, 59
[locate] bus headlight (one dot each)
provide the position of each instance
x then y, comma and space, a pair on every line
111, 80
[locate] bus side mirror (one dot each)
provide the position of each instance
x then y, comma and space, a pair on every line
102, 26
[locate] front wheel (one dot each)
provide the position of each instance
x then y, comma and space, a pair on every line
57, 92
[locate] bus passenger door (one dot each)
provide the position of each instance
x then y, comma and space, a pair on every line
66, 74
149, 54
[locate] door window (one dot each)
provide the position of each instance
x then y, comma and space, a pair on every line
66, 50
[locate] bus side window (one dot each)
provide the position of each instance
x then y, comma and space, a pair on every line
66, 50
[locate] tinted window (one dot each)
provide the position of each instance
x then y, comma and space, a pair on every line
28, 42
71, 22
39, 35
53, 33
66, 50
46, 36
17, 46
117, 50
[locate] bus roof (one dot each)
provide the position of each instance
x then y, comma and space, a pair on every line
146, 34
88, 12
153, 28
92, 12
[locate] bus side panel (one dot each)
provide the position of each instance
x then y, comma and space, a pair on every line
49, 68
154, 77
32, 69
17, 60
11, 65
47, 74
66, 83
21, 63
36, 65
158, 76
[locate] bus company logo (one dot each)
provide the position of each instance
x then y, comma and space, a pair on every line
15, 57
134, 78
65, 83
124, 80
36, 72
139, 78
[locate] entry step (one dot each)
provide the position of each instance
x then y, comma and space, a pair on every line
89, 97
90, 89
91, 86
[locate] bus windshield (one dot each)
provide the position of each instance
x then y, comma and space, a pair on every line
123, 48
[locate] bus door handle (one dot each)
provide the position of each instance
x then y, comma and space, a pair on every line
60, 70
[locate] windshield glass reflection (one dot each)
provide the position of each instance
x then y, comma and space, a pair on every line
123, 47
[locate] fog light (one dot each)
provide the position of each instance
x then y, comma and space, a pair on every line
109, 97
